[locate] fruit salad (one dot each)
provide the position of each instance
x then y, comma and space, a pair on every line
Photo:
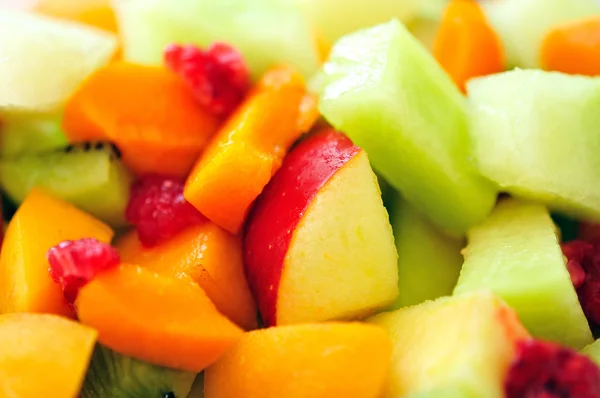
300, 199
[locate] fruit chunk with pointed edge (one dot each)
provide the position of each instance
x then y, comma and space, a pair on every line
155, 318
593, 351
537, 135
43, 355
97, 13
30, 132
41, 222
207, 254
89, 175
393, 99
31, 45
515, 253
522, 24
115, 375
258, 34
147, 112
428, 261
249, 148
318, 243
349, 360
466, 45
451, 347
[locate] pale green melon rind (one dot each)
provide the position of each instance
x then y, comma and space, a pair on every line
92, 180
523, 24
43, 60
383, 89
267, 32
515, 253
537, 135
429, 262
23, 133
592, 351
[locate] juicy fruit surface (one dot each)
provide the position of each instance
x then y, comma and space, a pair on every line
593, 351
30, 132
159, 319
311, 227
43, 355
118, 376
25, 283
457, 346
429, 262
537, 135
97, 13
209, 255
515, 253
90, 176
258, 34
72, 51
522, 24
304, 361
391, 97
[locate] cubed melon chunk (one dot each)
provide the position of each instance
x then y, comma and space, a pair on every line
537, 134
383, 89
516, 254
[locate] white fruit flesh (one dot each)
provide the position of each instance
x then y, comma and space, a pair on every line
342, 261
43, 60
516, 254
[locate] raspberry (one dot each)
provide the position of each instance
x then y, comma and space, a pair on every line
589, 232
547, 370
218, 77
73, 263
583, 262
158, 209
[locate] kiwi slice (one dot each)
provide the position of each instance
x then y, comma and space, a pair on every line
112, 375
91, 176
30, 132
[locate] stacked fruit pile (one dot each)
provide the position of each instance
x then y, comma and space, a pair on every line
265, 199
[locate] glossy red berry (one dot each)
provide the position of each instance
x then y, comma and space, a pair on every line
548, 370
583, 263
158, 209
74, 263
218, 76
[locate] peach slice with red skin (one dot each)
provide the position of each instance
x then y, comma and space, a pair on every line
318, 243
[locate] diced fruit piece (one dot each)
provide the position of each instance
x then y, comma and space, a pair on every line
248, 149
73, 263
41, 222
115, 375
25, 132
32, 45
544, 369
466, 45
258, 35
593, 351
207, 254
318, 243
158, 209
589, 232
515, 253
428, 261
537, 135
348, 360
325, 15
452, 347
155, 318
97, 13
218, 76
90, 176
148, 112
522, 24
391, 97
573, 47
43, 355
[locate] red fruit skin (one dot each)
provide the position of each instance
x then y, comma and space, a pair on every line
278, 210
158, 209
75, 263
547, 370
583, 263
218, 77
